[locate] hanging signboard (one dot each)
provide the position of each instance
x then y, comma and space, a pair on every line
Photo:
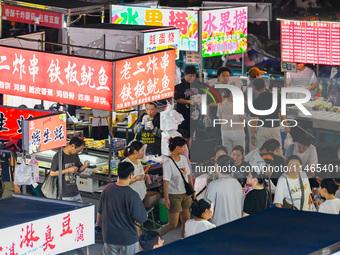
311, 42
145, 78
166, 39
11, 119
50, 235
44, 133
185, 21
54, 77
224, 31
32, 16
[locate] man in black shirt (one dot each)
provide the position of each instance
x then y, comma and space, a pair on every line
182, 97
268, 125
119, 208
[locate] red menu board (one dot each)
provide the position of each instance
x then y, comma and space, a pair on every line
53, 77
11, 120
312, 42
44, 133
32, 16
143, 79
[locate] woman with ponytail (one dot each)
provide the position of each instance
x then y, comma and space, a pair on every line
176, 200
134, 152
201, 211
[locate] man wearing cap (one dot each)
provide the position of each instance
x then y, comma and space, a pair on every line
303, 78
253, 73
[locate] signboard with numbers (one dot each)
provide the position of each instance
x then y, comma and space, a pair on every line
44, 133
166, 39
11, 120
32, 16
54, 77
312, 42
64, 228
145, 78
185, 21
224, 31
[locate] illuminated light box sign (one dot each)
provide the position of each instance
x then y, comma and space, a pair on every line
145, 78
52, 77
50, 235
312, 42
11, 120
44, 133
32, 16
185, 21
224, 31
156, 41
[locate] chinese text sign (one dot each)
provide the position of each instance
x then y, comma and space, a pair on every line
50, 235
185, 21
32, 16
11, 120
224, 31
310, 42
143, 79
44, 133
156, 41
52, 77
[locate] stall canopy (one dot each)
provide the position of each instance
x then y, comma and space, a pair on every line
49, 13
274, 231
55, 77
117, 41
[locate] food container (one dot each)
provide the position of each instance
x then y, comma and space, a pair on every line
121, 116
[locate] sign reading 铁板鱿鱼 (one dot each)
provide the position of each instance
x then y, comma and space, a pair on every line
145, 78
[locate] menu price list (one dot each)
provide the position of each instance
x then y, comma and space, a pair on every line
310, 42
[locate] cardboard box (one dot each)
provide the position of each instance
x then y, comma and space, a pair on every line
151, 199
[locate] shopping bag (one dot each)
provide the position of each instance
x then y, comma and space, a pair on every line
23, 174
50, 187
288, 141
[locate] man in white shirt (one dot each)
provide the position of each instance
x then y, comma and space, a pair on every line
303, 78
327, 190
225, 194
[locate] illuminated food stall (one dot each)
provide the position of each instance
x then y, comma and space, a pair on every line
315, 42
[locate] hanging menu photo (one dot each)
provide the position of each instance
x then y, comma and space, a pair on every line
312, 42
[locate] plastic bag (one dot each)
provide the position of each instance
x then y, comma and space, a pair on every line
311, 208
50, 187
35, 167
23, 174
288, 141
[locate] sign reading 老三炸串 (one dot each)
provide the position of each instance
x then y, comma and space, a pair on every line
224, 31
185, 21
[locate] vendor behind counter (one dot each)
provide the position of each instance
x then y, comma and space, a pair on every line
148, 126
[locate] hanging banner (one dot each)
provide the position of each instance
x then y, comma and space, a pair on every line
166, 39
11, 120
53, 77
224, 31
185, 21
143, 79
50, 235
44, 133
32, 16
312, 42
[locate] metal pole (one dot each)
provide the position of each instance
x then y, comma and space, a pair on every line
200, 64
242, 63
104, 43
60, 174
103, 14
110, 143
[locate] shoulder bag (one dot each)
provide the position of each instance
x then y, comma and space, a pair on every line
291, 206
188, 189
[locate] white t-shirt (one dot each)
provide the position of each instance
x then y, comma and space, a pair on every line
226, 194
300, 79
173, 176
193, 227
308, 158
330, 206
282, 191
138, 186
337, 193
